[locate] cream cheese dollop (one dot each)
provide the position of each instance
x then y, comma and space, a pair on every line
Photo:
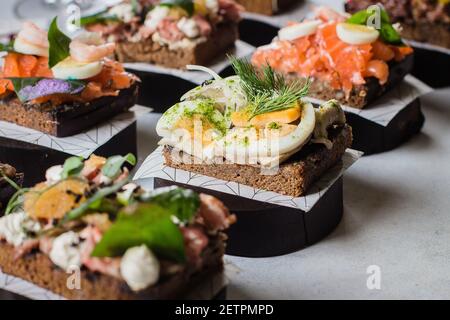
123, 11
66, 251
139, 268
15, 228
189, 27
54, 174
155, 16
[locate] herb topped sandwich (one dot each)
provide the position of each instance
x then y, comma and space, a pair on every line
345, 59
170, 33
88, 233
421, 20
10, 180
62, 86
237, 127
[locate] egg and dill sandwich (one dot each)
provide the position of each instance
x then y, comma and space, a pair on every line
253, 128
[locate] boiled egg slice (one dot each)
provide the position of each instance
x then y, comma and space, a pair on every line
299, 30
74, 70
356, 34
241, 118
268, 146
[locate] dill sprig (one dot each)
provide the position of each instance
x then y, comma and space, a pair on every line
267, 90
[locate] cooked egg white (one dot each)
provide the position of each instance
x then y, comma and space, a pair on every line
299, 30
356, 34
74, 70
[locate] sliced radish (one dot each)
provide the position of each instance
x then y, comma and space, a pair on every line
299, 30
356, 34
74, 70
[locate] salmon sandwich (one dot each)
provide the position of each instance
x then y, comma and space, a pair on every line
345, 57
62, 86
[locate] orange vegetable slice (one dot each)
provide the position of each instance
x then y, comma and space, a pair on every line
44, 202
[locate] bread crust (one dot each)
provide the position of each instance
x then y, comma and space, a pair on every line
265, 7
37, 268
202, 53
69, 118
294, 176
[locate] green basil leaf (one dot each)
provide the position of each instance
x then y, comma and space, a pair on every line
390, 35
113, 166
362, 16
147, 224
72, 166
182, 203
359, 17
58, 44
32, 88
186, 5
7, 47
100, 17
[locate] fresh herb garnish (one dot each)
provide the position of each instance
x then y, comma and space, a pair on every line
7, 47
72, 166
183, 203
267, 91
186, 5
148, 224
58, 44
99, 17
387, 32
28, 89
113, 166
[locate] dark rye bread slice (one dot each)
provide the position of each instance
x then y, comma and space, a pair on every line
6, 190
293, 177
266, 7
69, 118
37, 268
361, 95
148, 51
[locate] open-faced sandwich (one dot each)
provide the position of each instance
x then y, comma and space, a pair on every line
88, 233
421, 20
254, 129
344, 58
10, 181
169, 33
62, 86
266, 7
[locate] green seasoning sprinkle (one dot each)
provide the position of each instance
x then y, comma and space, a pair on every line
246, 141
274, 126
208, 113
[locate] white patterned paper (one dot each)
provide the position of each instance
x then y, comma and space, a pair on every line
154, 167
385, 108
241, 50
203, 291
82, 144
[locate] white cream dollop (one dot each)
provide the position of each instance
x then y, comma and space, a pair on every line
53, 174
213, 6
123, 11
189, 27
15, 227
66, 251
139, 268
155, 16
